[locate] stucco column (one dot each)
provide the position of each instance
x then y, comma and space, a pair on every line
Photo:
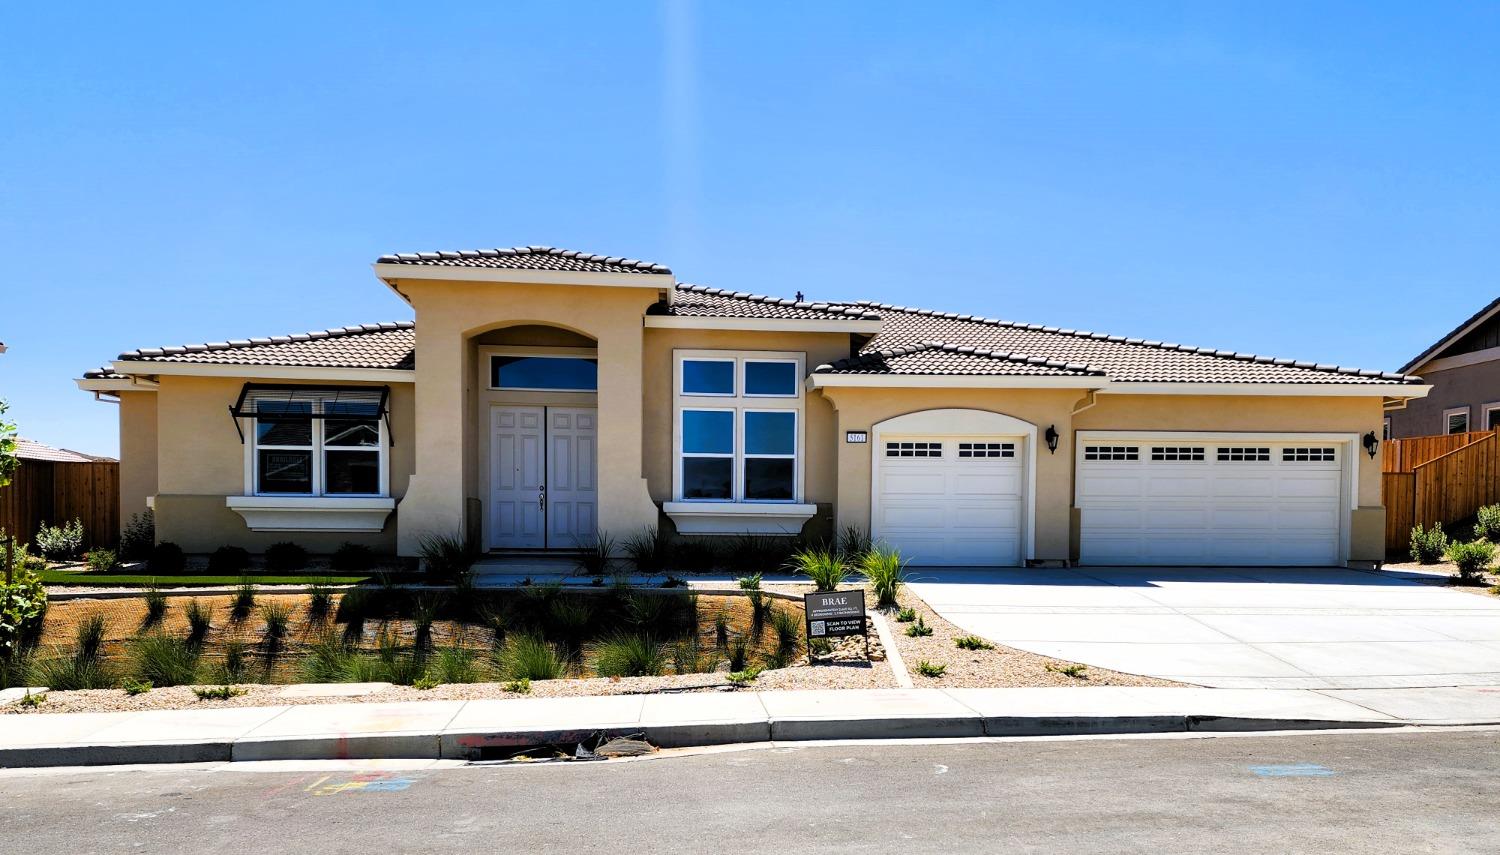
625, 505
434, 500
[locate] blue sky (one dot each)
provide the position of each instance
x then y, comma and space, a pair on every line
1306, 180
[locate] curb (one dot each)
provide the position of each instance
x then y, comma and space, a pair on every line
474, 744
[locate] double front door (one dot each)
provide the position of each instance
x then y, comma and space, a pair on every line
543, 477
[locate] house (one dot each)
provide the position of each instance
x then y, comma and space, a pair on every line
1463, 369
542, 395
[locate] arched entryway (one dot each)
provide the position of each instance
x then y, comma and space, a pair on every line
955, 487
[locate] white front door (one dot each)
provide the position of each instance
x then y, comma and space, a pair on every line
542, 477
572, 495
1185, 500
950, 501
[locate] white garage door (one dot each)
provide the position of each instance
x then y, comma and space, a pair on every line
950, 501
1186, 501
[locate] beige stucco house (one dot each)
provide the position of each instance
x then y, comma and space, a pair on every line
542, 395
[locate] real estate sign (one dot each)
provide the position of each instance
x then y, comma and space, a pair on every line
834, 614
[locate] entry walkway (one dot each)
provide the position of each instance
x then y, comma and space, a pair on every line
1272, 628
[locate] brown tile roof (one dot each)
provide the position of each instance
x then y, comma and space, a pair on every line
700, 301
30, 449
526, 258
1121, 359
387, 345
937, 358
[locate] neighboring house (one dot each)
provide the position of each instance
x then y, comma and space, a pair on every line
1463, 369
542, 394
56, 485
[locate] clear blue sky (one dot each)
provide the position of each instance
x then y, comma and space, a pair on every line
1308, 180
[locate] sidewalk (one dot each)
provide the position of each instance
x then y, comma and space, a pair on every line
467, 730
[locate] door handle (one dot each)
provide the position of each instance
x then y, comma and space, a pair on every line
541, 498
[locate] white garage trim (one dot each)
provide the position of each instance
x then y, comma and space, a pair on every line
1349, 442
966, 423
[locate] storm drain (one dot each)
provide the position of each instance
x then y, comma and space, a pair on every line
598, 746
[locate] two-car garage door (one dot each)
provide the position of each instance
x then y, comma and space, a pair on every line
1187, 501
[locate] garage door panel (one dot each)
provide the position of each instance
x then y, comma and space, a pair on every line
930, 483
1001, 483
991, 517
1224, 509
910, 517
951, 510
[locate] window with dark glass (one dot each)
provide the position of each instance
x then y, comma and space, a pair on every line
708, 377
770, 378
553, 373
770, 456
284, 448
329, 448
707, 454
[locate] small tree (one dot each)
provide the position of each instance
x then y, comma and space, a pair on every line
8, 459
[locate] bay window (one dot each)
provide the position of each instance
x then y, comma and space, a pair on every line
738, 427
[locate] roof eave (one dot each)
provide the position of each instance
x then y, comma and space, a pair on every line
954, 381
265, 372
833, 325
1295, 390
392, 273
1428, 355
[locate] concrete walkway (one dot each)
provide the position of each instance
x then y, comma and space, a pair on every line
1233, 628
478, 729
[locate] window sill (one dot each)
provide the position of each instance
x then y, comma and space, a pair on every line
312, 513
738, 517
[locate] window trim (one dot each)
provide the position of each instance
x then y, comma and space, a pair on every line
1449, 413
739, 403
317, 448
1484, 414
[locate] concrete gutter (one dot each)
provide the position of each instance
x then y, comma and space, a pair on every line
469, 730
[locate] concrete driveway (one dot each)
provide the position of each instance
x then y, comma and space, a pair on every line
1233, 628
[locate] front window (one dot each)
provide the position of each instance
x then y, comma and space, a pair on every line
318, 448
738, 427
545, 373
1457, 420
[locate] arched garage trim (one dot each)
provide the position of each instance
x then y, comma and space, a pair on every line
956, 422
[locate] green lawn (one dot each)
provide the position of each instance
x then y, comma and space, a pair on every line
97, 578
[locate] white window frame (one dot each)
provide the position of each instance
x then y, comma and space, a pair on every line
318, 449
736, 382
741, 404
733, 457
1385, 430
1456, 411
489, 352
741, 375
1484, 413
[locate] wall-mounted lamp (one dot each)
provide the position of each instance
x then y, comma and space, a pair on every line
1051, 437
1371, 443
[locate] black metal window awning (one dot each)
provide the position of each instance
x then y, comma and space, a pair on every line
272, 403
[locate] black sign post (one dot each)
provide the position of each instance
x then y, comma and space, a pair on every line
835, 614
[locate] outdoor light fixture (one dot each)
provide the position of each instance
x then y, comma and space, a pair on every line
1371, 443
1051, 437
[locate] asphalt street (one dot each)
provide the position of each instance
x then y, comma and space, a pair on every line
1386, 792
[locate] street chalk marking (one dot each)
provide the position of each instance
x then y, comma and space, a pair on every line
1294, 770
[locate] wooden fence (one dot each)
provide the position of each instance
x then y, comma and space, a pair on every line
1437, 479
58, 493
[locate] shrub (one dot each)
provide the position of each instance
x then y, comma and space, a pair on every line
138, 537
824, 567
70, 673
319, 599
906, 615
285, 557
354, 609
136, 687
696, 555
883, 569
931, 669
166, 559
425, 683
594, 555
328, 660
278, 617
352, 559
199, 618
447, 557
739, 653
23, 606
30, 701
751, 582
1428, 545
754, 553
163, 660
519, 687
156, 606
423, 614
89, 637
721, 631
660, 615
1488, 525
229, 561
236, 662
243, 602
1471, 559
102, 560
629, 655
454, 665
395, 665
788, 629
972, 642
743, 677
529, 657
819, 646
59, 542
1069, 669
919, 628
689, 657
497, 618
217, 693
852, 544
569, 619
650, 550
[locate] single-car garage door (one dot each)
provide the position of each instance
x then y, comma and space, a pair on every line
1187, 501
950, 501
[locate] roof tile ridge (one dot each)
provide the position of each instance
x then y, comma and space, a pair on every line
832, 307
236, 344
